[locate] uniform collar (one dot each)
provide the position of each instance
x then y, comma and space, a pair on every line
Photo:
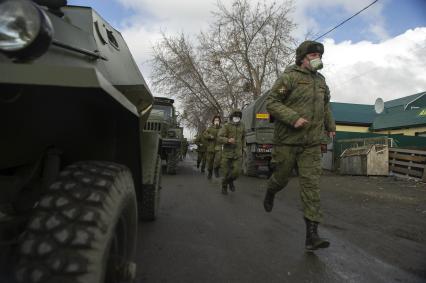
302, 70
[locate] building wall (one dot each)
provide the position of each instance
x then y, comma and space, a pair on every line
406, 132
356, 129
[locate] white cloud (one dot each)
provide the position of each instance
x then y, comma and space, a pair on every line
361, 72
153, 17
356, 72
140, 40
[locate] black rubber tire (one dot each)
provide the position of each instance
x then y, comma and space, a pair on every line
148, 208
249, 165
172, 161
82, 229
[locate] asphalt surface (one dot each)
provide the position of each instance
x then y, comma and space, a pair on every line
203, 236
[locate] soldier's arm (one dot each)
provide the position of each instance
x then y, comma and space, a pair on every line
207, 135
243, 138
329, 123
275, 101
222, 137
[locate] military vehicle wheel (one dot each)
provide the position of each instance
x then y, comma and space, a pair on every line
83, 229
151, 196
249, 165
172, 162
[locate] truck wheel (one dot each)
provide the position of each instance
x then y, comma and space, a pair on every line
249, 165
151, 196
83, 229
171, 162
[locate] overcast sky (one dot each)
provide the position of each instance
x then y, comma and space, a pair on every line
380, 53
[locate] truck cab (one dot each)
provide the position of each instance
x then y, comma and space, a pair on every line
163, 120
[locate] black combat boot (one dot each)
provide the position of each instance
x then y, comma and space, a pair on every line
268, 202
198, 164
216, 172
313, 241
231, 185
203, 168
209, 176
224, 188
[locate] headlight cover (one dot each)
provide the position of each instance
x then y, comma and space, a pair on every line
25, 30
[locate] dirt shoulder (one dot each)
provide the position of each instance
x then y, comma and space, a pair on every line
383, 215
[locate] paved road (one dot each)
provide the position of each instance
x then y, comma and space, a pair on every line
204, 236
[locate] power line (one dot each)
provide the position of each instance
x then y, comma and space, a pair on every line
354, 15
340, 24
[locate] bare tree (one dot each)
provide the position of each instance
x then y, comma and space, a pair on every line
254, 40
232, 63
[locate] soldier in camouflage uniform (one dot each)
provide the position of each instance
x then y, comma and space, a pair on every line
184, 150
232, 137
299, 103
201, 152
214, 148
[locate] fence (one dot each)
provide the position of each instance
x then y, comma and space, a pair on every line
408, 163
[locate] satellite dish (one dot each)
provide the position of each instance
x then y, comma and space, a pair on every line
379, 105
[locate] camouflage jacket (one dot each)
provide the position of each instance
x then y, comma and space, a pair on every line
201, 143
236, 131
300, 93
210, 135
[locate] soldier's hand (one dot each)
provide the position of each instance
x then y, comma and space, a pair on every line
300, 123
331, 134
231, 140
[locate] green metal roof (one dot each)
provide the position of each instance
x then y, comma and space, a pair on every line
419, 102
403, 100
400, 119
354, 114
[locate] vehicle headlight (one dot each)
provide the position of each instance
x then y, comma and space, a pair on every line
25, 29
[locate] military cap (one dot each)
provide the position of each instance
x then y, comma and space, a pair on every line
307, 47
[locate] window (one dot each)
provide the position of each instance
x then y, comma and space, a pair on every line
166, 111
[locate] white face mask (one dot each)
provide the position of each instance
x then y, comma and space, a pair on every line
316, 64
216, 122
236, 119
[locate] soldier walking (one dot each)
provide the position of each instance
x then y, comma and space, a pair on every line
214, 148
232, 137
299, 103
201, 152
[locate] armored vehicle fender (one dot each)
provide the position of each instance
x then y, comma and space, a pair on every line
151, 175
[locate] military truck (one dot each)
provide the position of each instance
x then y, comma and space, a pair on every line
259, 132
163, 119
76, 167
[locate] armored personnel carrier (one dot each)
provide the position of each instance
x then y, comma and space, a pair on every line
163, 120
259, 132
76, 167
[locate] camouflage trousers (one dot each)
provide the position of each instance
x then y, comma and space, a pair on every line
230, 168
213, 159
201, 159
308, 162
